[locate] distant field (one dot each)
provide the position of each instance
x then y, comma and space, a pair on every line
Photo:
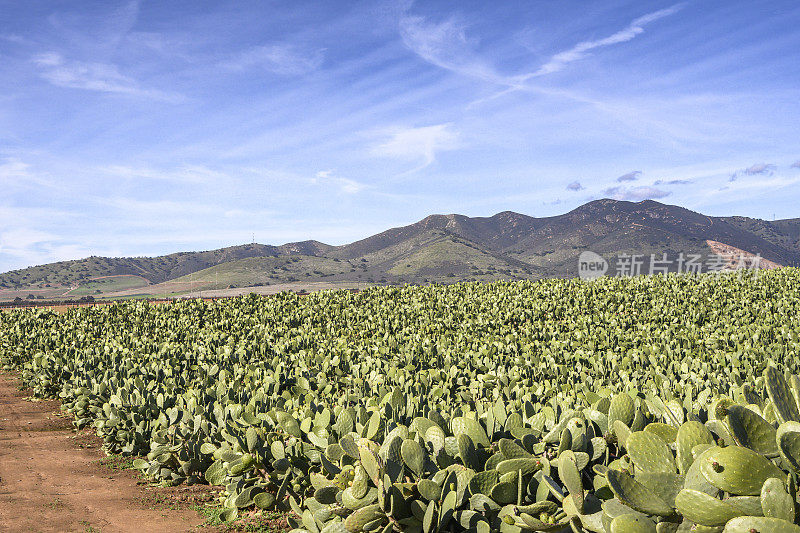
279, 287
266, 271
46, 293
108, 284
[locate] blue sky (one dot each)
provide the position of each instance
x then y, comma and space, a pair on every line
147, 127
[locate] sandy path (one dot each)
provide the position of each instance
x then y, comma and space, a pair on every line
48, 484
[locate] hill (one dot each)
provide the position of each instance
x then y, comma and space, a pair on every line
438, 248
153, 269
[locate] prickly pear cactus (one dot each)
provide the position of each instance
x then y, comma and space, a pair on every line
503, 407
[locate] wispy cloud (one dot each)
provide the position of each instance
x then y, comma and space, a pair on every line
282, 58
581, 50
24, 245
796, 164
749, 189
446, 45
757, 169
183, 174
344, 185
635, 194
98, 31
100, 77
13, 170
673, 182
420, 143
21, 241
630, 176
14, 38
17, 174
575, 186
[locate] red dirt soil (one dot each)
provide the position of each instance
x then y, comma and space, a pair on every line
49, 483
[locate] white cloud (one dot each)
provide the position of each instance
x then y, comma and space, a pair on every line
630, 176
20, 238
12, 170
673, 182
183, 174
418, 144
15, 173
796, 164
100, 77
635, 194
446, 46
345, 185
581, 50
283, 59
759, 168
27, 246
575, 186
771, 184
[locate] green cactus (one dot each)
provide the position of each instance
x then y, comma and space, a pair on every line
413, 456
351, 502
371, 464
747, 505
571, 477
471, 456
623, 409
666, 485
356, 521
264, 500
776, 502
512, 450
504, 492
482, 482
758, 524
635, 495
620, 432
429, 489
613, 508
471, 428
788, 440
781, 396
703, 509
436, 437
666, 432
360, 482
629, 523
327, 495
527, 465
752, 431
690, 434
649, 452
737, 470
215, 474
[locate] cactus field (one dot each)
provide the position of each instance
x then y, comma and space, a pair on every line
622, 405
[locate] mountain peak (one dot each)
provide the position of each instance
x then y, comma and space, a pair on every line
440, 247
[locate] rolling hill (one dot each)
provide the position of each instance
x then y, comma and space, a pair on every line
439, 248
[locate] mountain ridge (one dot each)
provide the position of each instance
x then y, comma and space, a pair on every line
507, 245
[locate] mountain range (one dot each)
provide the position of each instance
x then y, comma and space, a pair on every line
439, 248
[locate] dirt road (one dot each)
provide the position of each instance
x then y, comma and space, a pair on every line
49, 483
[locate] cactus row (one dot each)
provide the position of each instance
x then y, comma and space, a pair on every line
642, 404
